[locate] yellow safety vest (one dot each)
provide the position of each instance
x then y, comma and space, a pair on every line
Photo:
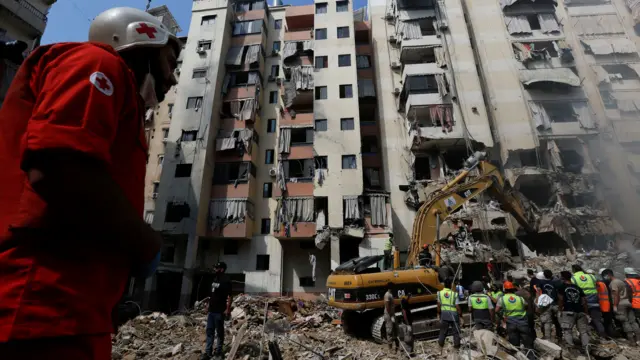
496, 294
514, 306
447, 300
586, 282
479, 302
388, 245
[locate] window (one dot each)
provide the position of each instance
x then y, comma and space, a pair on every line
307, 281
277, 24
343, 32
276, 47
369, 145
321, 8
321, 92
208, 20
608, 99
275, 71
165, 133
262, 262
265, 224
148, 218
347, 124
160, 159
230, 247
321, 162
156, 186
346, 91
271, 125
423, 84
321, 125
250, 5
247, 27
205, 45
267, 189
183, 170
321, 62
301, 136
199, 73
168, 253
321, 34
344, 60
342, 6
194, 102
349, 162
534, 23
363, 61
190, 135
170, 110
268, 156
301, 169
176, 212
273, 97
227, 173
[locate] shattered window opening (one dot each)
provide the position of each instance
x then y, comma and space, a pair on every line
234, 172
307, 281
369, 145
321, 162
176, 211
301, 136
534, 23
620, 72
560, 112
422, 84
262, 262
230, 247
422, 168
302, 169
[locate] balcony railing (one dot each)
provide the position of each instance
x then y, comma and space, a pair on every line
32, 9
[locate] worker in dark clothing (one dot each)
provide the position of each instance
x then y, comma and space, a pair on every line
405, 330
450, 314
515, 311
481, 307
219, 309
549, 314
424, 258
531, 311
572, 304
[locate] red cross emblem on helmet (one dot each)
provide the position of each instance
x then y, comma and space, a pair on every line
583, 278
150, 31
512, 299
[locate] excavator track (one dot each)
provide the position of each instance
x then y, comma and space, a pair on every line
377, 331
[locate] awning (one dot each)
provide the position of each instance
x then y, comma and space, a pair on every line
404, 15
610, 46
422, 69
505, 3
559, 75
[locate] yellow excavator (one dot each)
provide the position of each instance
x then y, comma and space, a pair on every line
358, 289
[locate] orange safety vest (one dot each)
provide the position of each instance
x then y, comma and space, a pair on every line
603, 296
634, 284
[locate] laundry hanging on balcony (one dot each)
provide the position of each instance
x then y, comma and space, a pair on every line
540, 116
352, 208
378, 204
517, 24
242, 109
281, 179
366, 88
237, 139
253, 52
226, 211
234, 55
442, 114
291, 48
290, 211
284, 144
302, 77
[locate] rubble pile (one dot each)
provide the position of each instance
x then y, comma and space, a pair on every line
593, 260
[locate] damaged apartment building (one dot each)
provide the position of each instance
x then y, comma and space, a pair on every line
272, 160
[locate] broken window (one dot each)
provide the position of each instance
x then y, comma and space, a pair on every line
321, 162
454, 158
262, 262
419, 84
321, 208
621, 72
528, 157
298, 169
307, 281
227, 173
369, 145
422, 168
230, 247
571, 161
189, 135
301, 136
183, 170
608, 99
176, 211
371, 178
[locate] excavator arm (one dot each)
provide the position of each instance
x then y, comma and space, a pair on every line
452, 196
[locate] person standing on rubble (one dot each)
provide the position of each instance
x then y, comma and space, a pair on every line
219, 310
481, 308
450, 315
604, 299
493, 271
573, 307
634, 285
549, 314
391, 326
515, 311
73, 157
587, 282
405, 330
622, 310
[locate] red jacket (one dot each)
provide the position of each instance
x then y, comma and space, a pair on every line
78, 96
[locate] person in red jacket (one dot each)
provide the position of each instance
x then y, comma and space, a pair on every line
73, 156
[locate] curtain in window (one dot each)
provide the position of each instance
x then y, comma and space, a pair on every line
443, 85
548, 23
225, 83
540, 116
378, 209
284, 146
290, 49
583, 113
321, 8
409, 29
351, 208
441, 59
299, 209
252, 54
222, 212
517, 24
226, 143
349, 162
253, 78
234, 55
302, 77
366, 88
362, 62
246, 112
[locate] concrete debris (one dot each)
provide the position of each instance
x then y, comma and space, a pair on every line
547, 348
595, 259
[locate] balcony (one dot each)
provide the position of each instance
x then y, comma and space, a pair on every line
433, 126
250, 32
233, 180
563, 118
28, 14
300, 17
298, 119
246, 58
298, 231
299, 35
230, 218
420, 50
424, 85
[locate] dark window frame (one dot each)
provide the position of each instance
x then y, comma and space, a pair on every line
343, 28
323, 122
342, 63
320, 31
346, 90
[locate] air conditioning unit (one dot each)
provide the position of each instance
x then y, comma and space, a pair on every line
271, 78
273, 172
396, 91
154, 195
392, 38
201, 50
395, 65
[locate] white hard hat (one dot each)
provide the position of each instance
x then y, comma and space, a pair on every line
630, 271
126, 28
590, 271
601, 270
540, 275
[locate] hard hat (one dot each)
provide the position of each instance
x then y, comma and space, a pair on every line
477, 286
590, 271
221, 265
540, 275
508, 285
126, 28
492, 259
601, 270
630, 271
425, 246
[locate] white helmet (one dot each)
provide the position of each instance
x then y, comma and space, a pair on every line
126, 28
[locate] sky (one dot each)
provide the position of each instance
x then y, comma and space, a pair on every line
69, 19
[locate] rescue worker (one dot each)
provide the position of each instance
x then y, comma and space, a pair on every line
634, 285
515, 311
450, 315
405, 330
573, 307
622, 309
391, 326
530, 297
73, 157
604, 299
481, 308
492, 270
549, 314
495, 293
587, 283
424, 257
388, 253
